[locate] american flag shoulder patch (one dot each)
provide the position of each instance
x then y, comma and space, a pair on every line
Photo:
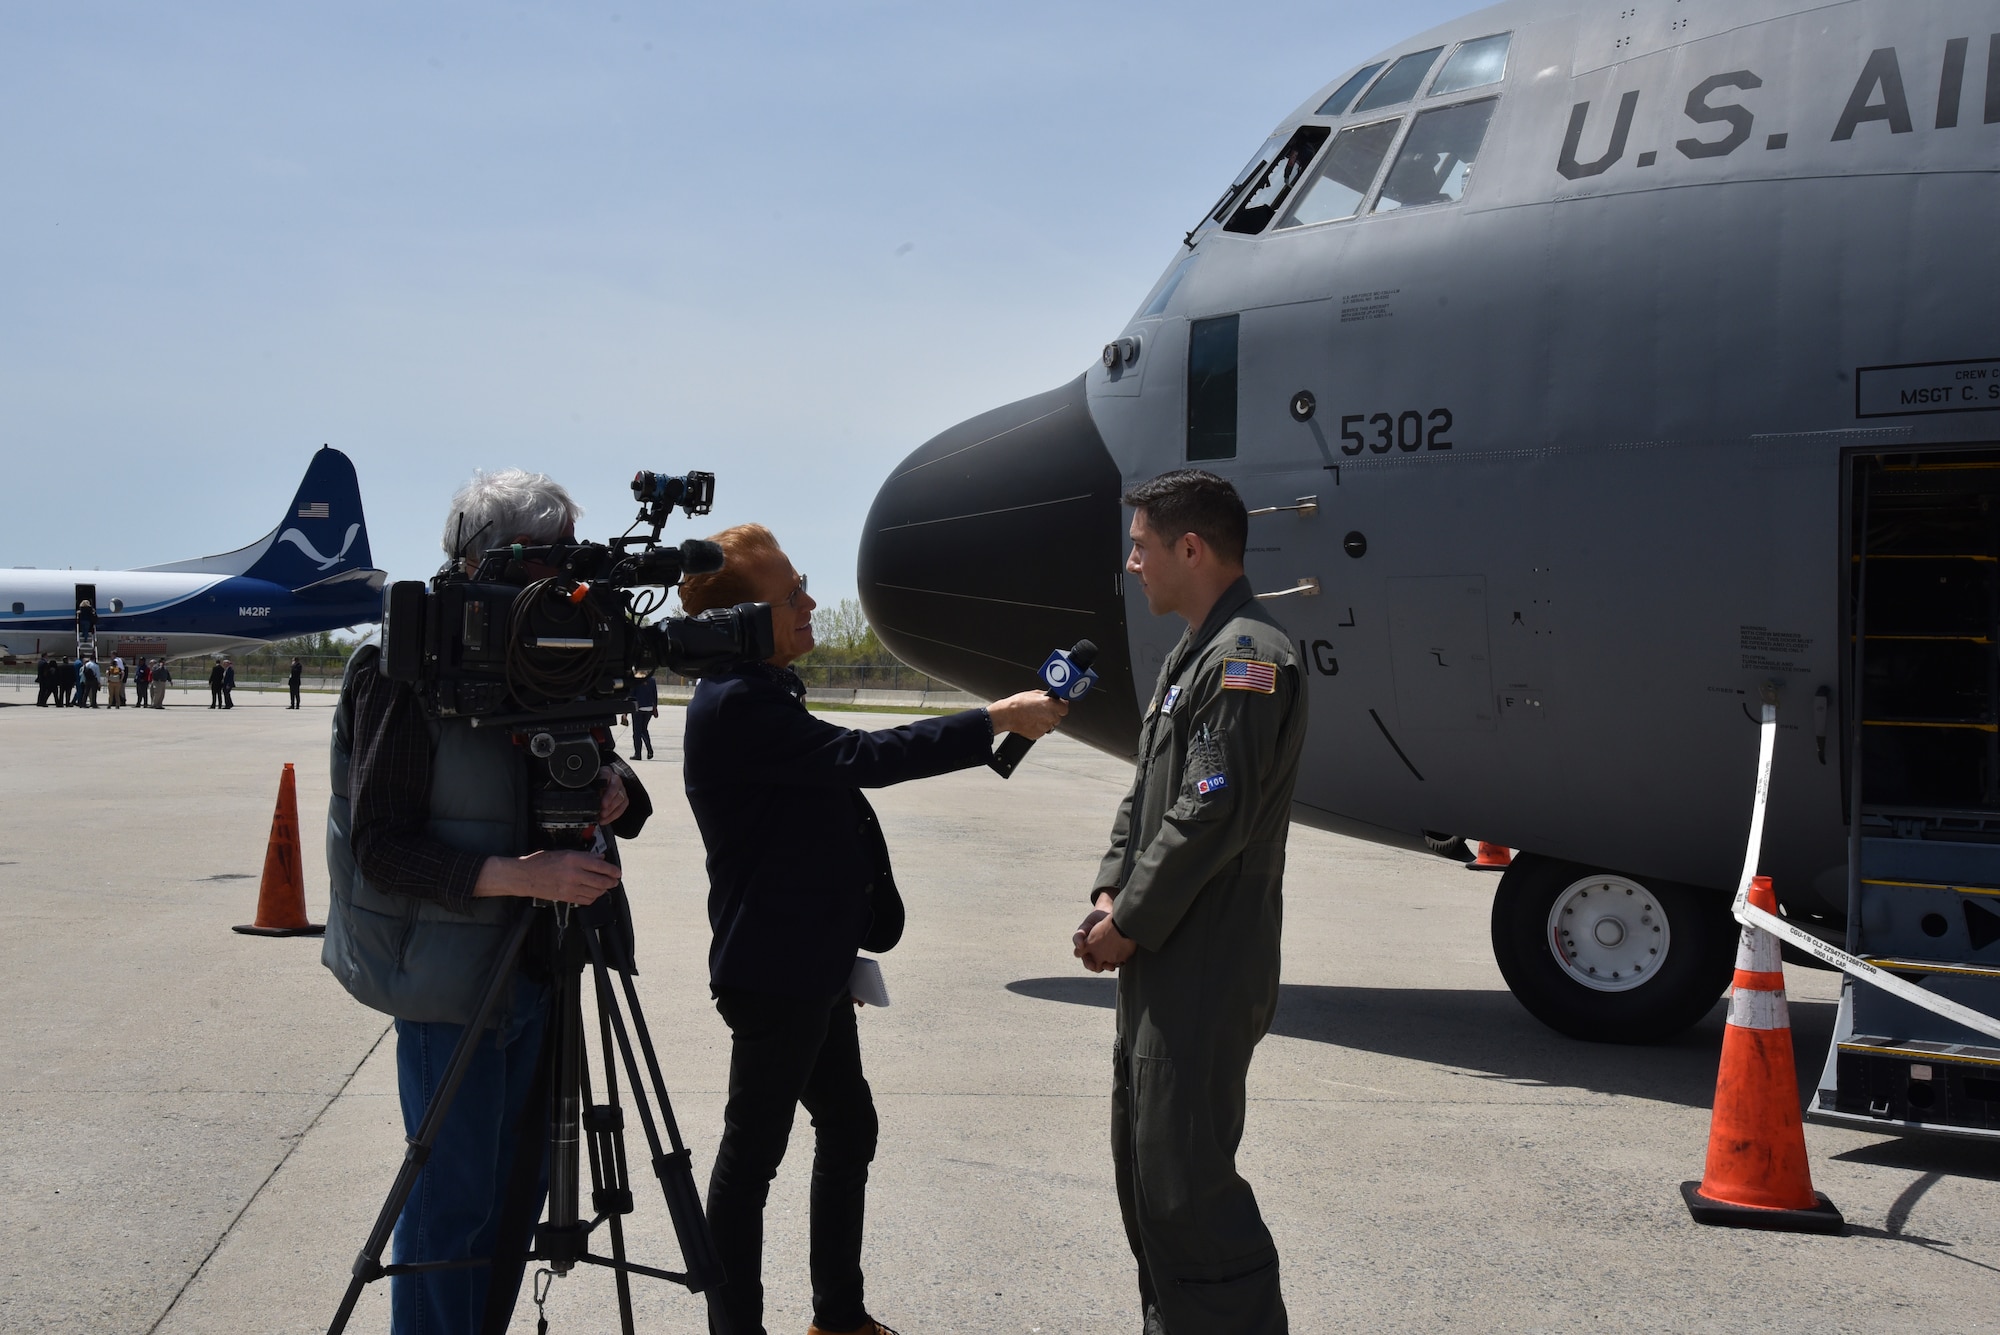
1249, 674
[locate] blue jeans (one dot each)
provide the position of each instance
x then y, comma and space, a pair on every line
455, 1210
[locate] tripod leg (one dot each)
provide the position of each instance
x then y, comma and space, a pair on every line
562, 1238
368, 1265
612, 1189
676, 1170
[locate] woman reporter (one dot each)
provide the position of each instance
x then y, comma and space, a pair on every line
799, 881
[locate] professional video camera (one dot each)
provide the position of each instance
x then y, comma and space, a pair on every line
503, 646
544, 641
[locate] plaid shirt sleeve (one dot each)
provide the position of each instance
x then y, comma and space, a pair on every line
388, 785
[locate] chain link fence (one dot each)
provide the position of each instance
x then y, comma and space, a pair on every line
257, 672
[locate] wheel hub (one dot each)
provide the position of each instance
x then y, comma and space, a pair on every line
1608, 933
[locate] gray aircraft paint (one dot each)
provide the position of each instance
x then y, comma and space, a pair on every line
1688, 229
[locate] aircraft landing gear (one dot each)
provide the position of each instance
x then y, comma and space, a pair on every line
1604, 957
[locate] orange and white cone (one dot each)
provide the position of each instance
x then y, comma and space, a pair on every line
1757, 1175
281, 895
1492, 857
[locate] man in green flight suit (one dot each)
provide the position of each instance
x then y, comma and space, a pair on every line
1187, 907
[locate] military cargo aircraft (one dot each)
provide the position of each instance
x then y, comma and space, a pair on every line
1590, 370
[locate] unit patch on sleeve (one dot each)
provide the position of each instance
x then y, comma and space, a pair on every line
1173, 694
1248, 674
1212, 783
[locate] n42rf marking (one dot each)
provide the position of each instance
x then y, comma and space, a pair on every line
1408, 431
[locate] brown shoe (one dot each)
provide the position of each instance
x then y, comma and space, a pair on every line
869, 1327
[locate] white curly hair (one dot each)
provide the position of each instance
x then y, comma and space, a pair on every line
494, 509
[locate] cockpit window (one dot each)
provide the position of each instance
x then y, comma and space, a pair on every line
1436, 159
1344, 178
1260, 160
1474, 65
1400, 84
1344, 94
1158, 305
1265, 196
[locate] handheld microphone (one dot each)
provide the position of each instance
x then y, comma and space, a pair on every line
1067, 676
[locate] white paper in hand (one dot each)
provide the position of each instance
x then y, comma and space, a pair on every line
865, 984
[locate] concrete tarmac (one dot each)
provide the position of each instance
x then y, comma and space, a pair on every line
197, 1127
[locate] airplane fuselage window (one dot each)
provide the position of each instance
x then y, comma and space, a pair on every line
1337, 104
1211, 389
1400, 84
1268, 193
20, 609
1474, 65
1344, 178
1436, 159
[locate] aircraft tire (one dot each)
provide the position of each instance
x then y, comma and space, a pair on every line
1700, 954
1451, 846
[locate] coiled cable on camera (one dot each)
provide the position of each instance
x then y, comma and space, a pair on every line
540, 675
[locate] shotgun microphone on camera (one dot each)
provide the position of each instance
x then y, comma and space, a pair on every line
1067, 676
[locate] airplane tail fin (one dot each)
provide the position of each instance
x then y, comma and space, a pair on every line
322, 535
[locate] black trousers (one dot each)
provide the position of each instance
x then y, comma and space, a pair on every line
785, 1052
642, 736
295, 695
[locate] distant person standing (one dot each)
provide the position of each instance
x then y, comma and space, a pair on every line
114, 684
228, 684
142, 680
161, 679
64, 677
645, 708
93, 677
45, 681
215, 685
297, 678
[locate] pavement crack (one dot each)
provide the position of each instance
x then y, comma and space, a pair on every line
251, 1200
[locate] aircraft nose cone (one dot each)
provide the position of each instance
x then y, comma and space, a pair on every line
998, 541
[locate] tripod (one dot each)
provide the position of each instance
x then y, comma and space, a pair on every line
599, 936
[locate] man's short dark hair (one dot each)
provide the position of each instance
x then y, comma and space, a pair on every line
1194, 500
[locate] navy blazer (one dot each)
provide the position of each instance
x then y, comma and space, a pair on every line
792, 848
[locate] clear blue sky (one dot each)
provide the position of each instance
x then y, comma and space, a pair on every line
783, 242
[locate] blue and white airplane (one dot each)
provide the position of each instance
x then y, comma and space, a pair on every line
312, 572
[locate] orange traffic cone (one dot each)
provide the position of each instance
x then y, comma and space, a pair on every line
281, 897
1757, 1175
1492, 857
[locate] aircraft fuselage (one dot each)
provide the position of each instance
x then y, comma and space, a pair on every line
1578, 433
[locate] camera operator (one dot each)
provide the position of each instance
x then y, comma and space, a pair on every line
432, 861
799, 880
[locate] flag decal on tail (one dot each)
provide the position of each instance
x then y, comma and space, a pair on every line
317, 510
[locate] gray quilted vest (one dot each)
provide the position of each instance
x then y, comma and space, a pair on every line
414, 958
